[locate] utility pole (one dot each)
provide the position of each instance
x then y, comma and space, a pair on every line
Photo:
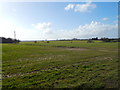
14, 35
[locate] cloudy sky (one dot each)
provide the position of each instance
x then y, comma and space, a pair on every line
58, 20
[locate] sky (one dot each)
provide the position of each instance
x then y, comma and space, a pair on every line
58, 20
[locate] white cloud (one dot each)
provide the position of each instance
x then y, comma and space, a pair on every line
84, 7
42, 26
94, 29
81, 7
6, 29
42, 31
105, 18
69, 6
25, 34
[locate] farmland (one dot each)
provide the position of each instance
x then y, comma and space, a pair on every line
60, 64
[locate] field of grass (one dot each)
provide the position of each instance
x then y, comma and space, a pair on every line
60, 64
84, 44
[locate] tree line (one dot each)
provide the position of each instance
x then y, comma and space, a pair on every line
8, 40
104, 39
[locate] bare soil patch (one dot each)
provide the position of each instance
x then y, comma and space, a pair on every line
78, 49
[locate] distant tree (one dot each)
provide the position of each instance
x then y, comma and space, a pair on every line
118, 39
48, 41
105, 39
74, 39
4, 40
16, 41
35, 41
95, 38
8, 40
90, 41
0, 40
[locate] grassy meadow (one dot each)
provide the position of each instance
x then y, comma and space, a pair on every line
60, 64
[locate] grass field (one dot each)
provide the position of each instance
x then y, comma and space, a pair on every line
60, 64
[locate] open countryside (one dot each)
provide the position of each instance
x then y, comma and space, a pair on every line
60, 64
52, 45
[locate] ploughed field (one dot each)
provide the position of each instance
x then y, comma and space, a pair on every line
60, 64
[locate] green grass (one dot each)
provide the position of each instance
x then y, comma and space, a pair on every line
84, 44
42, 65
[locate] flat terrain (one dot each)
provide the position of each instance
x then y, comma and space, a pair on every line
60, 64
